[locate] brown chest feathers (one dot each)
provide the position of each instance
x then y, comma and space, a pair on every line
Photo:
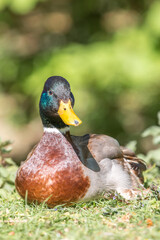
52, 171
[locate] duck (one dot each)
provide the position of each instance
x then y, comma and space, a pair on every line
63, 169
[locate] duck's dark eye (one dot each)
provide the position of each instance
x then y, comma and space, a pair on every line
50, 92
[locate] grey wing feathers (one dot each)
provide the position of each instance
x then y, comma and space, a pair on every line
103, 146
135, 162
93, 148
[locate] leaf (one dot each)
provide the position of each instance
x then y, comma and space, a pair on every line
153, 156
5, 150
3, 193
11, 178
10, 161
132, 145
5, 147
5, 144
11, 173
1, 182
156, 140
3, 172
151, 131
158, 115
8, 187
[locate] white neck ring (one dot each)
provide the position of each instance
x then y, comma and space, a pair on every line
56, 130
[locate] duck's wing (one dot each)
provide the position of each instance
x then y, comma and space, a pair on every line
80, 145
136, 164
93, 148
134, 161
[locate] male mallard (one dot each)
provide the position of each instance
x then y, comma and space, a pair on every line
62, 168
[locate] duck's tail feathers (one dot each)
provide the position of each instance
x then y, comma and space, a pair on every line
135, 165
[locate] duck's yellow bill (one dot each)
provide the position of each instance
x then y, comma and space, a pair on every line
67, 114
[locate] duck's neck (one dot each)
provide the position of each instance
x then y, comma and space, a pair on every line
63, 131
51, 121
66, 133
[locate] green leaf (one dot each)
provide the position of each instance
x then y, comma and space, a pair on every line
1, 182
5, 144
151, 131
153, 156
3, 193
153, 19
23, 6
132, 145
8, 187
158, 118
3, 172
10, 161
156, 140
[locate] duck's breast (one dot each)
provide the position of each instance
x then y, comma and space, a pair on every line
52, 171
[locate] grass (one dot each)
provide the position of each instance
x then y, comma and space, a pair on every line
100, 219
109, 219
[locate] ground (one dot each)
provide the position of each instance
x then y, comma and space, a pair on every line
100, 219
111, 219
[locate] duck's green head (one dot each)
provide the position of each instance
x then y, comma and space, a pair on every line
56, 104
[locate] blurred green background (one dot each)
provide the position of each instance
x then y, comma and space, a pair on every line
109, 51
